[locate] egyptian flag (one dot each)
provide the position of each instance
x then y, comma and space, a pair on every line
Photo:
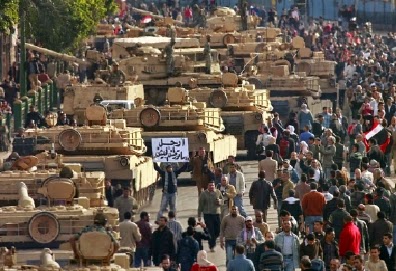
380, 134
146, 19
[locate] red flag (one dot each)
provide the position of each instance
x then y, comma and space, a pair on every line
146, 19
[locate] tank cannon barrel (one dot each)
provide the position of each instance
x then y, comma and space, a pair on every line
54, 54
157, 17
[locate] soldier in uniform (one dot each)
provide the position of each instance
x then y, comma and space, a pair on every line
208, 57
170, 63
243, 8
117, 77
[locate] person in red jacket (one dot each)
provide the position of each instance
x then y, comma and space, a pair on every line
349, 237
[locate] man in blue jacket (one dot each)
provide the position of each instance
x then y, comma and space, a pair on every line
240, 263
169, 187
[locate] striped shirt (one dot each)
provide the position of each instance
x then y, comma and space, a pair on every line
176, 228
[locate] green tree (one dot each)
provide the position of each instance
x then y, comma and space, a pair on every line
8, 15
61, 25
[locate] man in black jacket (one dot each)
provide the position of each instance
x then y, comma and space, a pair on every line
388, 252
169, 187
162, 242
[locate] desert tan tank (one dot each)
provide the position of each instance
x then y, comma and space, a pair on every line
243, 108
154, 72
89, 184
182, 119
78, 97
226, 20
102, 145
49, 225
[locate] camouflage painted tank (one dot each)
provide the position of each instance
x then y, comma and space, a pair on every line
28, 226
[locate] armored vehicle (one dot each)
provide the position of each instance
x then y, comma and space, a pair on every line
182, 119
172, 68
28, 226
88, 184
79, 97
96, 138
101, 145
243, 108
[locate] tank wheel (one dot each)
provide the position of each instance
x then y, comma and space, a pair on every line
250, 144
43, 228
228, 39
70, 139
218, 98
150, 117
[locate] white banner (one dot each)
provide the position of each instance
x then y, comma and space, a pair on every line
170, 149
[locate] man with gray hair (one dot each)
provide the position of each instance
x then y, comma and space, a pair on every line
327, 155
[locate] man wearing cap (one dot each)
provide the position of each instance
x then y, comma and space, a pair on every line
250, 237
99, 225
125, 203
116, 77
201, 169
169, 187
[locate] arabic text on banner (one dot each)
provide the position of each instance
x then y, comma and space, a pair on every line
170, 149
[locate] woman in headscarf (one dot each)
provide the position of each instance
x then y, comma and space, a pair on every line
304, 117
295, 137
202, 263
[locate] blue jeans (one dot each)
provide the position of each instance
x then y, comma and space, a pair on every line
309, 221
229, 248
238, 202
167, 199
288, 263
142, 254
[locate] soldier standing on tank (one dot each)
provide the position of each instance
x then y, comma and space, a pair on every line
208, 56
170, 63
243, 7
116, 77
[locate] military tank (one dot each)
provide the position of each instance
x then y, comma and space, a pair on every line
78, 97
49, 225
173, 67
182, 118
89, 184
243, 108
101, 145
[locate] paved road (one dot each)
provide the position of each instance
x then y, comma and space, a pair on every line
188, 202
